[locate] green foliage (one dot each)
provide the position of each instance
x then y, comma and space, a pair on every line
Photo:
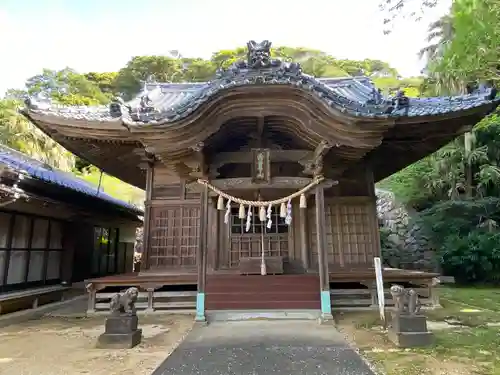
474, 257
410, 185
137, 70
473, 53
18, 133
113, 186
445, 174
391, 84
459, 217
66, 87
177, 68
465, 234
105, 81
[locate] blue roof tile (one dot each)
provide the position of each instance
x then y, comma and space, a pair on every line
38, 170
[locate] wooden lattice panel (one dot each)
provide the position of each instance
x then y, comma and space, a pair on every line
249, 244
174, 235
350, 238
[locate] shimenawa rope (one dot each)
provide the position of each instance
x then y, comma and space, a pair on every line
316, 180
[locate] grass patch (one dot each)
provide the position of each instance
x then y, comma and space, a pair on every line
480, 297
470, 349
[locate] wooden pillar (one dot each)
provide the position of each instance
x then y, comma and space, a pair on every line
145, 263
304, 248
202, 257
326, 307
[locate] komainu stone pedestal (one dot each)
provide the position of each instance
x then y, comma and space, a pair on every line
121, 332
409, 331
408, 328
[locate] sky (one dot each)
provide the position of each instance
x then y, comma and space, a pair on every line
102, 35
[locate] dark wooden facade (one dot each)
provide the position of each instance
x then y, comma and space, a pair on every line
351, 227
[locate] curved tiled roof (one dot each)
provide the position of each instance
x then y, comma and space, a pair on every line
355, 96
41, 171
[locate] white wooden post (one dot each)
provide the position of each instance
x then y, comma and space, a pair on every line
380, 287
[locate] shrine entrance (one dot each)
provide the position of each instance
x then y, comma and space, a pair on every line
259, 239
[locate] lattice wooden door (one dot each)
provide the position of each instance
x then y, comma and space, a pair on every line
249, 244
174, 236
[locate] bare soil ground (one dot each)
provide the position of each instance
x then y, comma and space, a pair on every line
62, 346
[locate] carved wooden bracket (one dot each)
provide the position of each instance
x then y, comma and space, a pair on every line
197, 165
314, 165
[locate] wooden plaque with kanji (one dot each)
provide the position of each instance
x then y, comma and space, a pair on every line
261, 166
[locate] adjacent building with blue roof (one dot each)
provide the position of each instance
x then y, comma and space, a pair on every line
34, 169
56, 228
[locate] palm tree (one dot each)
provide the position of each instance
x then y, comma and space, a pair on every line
440, 34
17, 132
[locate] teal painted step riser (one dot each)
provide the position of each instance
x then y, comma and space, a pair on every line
200, 307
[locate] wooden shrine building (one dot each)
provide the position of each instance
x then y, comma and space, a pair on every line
260, 183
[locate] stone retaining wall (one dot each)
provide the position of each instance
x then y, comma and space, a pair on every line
406, 245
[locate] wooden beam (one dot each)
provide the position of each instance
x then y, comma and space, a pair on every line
246, 157
260, 130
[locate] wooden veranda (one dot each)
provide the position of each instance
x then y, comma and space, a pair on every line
176, 292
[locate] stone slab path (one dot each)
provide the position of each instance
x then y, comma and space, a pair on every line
264, 348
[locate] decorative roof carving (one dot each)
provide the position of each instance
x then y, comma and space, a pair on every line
163, 103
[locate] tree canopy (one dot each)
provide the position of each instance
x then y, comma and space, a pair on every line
456, 189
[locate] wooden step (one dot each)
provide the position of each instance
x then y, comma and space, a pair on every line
267, 296
262, 305
264, 282
237, 292
248, 288
277, 279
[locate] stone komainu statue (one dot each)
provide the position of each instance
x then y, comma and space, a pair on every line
405, 301
124, 303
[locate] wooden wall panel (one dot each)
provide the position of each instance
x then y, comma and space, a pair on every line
166, 186
174, 232
350, 232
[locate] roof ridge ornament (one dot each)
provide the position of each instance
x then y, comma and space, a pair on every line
259, 61
118, 107
39, 100
259, 55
